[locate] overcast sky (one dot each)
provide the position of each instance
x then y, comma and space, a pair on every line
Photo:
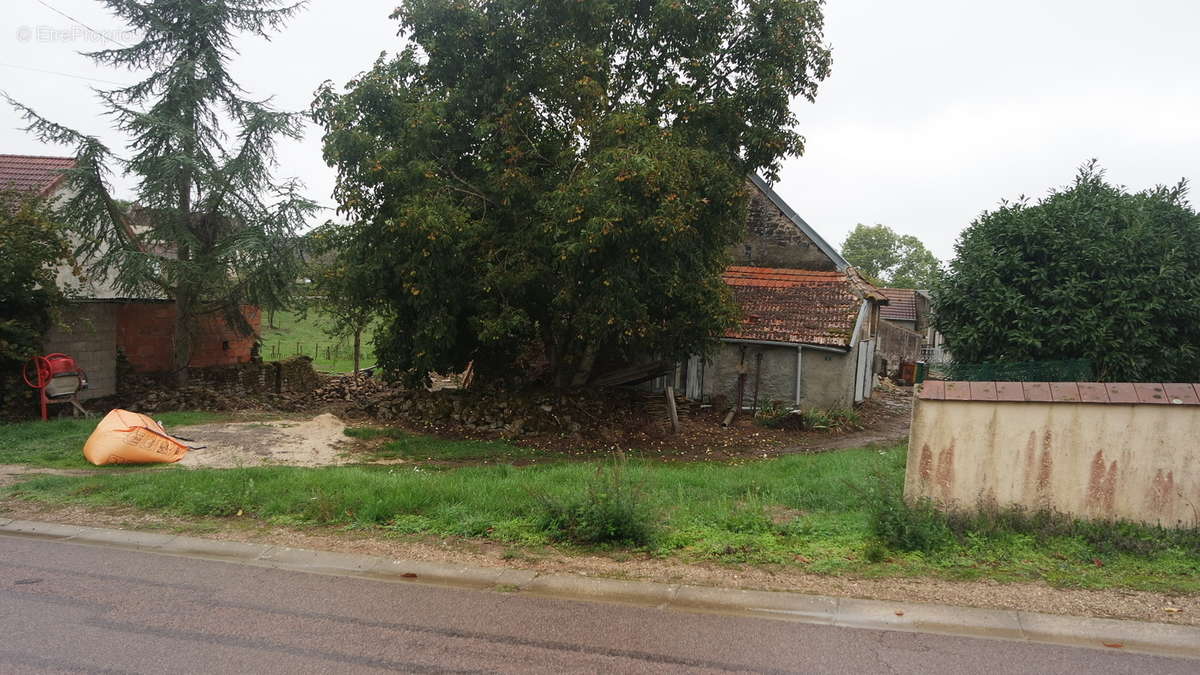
934, 112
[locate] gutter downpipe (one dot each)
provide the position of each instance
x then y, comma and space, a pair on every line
799, 359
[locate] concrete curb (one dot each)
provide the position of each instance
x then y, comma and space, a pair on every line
1133, 636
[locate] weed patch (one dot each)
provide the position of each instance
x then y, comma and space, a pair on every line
779, 416
612, 509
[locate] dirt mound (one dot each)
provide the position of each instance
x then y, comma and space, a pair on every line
320, 441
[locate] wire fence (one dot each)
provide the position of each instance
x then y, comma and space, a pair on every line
1073, 370
331, 353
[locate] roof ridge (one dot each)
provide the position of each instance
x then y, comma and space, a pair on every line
5, 154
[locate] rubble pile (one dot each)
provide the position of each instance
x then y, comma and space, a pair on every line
509, 414
149, 397
346, 391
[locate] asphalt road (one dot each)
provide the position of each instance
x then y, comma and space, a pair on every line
74, 608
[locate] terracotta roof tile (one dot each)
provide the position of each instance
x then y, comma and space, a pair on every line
1009, 391
1092, 392
1063, 392
1121, 392
26, 173
796, 306
902, 304
934, 390
983, 391
958, 391
1183, 393
1150, 393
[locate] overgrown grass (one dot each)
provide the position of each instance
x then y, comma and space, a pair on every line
59, 443
775, 415
818, 512
404, 445
296, 334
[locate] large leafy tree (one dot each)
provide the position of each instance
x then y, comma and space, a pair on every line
889, 258
1090, 271
340, 289
561, 179
32, 245
211, 229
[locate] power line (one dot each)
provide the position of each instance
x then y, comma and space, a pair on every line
55, 72
77, 21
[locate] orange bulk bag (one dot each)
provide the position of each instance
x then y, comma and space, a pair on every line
124, 437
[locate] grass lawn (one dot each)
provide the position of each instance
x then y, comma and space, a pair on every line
59, 443
809, 511
401, 444
296, 335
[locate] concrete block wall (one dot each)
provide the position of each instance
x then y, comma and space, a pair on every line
87, 331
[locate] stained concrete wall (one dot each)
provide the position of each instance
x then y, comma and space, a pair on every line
1137, 462
776, 381
826, 378
87, 331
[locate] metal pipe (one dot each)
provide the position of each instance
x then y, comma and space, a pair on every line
799, 359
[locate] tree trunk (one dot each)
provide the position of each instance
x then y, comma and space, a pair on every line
185, 322
271, 319
583, 371
357, 348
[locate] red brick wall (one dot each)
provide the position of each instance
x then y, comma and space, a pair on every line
146, 332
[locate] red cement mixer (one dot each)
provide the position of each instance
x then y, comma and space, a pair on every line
58, 379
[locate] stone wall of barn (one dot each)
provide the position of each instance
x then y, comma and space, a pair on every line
773, 240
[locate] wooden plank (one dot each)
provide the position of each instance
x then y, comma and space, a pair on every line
671, 409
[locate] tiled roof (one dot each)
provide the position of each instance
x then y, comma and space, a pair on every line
902, 304
26, 173
795, 306
1063, 392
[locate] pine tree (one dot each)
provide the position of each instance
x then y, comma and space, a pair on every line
211, 229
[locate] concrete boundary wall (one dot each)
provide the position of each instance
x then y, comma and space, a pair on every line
1101, 451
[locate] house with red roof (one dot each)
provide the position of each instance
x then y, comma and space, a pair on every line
808, 326
99, 319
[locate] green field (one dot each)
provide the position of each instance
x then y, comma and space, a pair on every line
59, 443
308, 335
821, 513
